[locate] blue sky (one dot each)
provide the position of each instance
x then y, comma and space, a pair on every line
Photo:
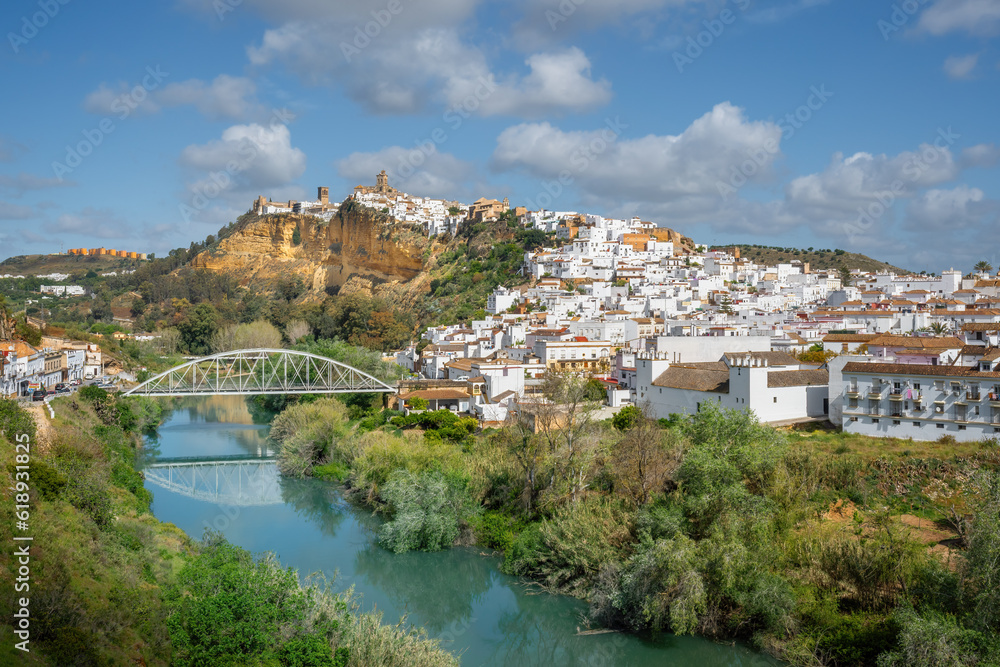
856, 124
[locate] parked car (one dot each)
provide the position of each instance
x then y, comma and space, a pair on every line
50, 392
76, 383
60, 386
38, 395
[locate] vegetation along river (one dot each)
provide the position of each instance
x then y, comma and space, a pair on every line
210, 467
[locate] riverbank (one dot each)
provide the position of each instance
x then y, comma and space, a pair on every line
840, 552
110, 584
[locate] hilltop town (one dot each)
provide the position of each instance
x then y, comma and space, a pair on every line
662, 321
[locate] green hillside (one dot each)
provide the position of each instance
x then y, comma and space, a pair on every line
824, 258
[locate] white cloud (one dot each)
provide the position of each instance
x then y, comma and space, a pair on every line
406, 69
653, 168
977, 17
420, 172
558, 81
120, 99
980, 155
962, 207
960, 67
231, 97
226, 97
253, 155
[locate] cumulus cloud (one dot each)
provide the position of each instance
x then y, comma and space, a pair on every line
977, 17
962, 207
980, 155
258, 156
654, 168
23, 182
404, 68
960, 67
420, 172
225, 97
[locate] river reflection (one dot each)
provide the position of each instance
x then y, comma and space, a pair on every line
458, 595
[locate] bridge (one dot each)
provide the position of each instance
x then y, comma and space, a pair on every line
235, 482
261, 371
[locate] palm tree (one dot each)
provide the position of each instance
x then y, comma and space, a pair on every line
939, 328
983, 267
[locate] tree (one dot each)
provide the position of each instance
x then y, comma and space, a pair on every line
564, 419
454, 210
296, 236
296, 330
939, 328
640, 460
256, 335
845, 275
983, 267
197, 328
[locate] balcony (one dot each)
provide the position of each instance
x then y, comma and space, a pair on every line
973, 396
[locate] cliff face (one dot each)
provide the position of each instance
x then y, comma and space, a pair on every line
358, 247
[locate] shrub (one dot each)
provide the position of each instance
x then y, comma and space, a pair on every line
930, 639
305, 434
428, 510
567, 551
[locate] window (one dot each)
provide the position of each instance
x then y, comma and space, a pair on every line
775, 399
854, 419
940, 425
917, 424
916, 386
853, 402
939, 384
895, 422
961, 428
875, 420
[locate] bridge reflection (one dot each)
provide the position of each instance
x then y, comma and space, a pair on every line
237, 481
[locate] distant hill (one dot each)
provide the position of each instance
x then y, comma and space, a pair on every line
817, 259
34, 265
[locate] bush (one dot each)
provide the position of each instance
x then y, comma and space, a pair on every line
305, 435
566, 552
428, 510
935, 640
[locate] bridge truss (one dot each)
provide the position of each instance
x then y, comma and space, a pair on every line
262, 371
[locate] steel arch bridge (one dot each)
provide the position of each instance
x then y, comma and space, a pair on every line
261, 371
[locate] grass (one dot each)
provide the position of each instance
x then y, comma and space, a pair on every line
826, 441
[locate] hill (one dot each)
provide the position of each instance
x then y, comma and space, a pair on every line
817, 259
35, 265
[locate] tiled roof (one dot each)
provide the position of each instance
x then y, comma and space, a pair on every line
710, 376
848, 338
926, 342
797, 378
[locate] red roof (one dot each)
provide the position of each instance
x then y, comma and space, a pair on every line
581, 339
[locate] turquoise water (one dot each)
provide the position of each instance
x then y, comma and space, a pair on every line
459, 595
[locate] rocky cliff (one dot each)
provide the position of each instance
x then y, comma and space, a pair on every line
359, 248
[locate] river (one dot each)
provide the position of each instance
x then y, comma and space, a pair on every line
210, 468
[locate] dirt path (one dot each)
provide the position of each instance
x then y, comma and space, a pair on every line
46, 433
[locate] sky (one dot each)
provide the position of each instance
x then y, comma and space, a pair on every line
867, 125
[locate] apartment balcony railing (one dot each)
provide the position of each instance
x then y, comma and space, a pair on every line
973, 396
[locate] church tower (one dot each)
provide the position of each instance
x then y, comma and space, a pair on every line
382, 182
